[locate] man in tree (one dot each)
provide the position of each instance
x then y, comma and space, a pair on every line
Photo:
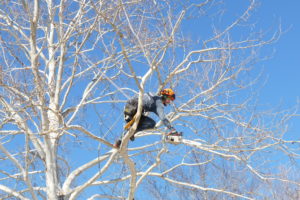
153, 104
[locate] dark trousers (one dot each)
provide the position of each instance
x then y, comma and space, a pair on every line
144, 123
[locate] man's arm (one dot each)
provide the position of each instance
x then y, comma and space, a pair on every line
161, 114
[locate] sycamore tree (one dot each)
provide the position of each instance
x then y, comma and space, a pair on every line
68, 67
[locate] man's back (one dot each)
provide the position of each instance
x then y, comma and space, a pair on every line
151, 103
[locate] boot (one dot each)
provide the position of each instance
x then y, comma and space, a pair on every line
132, 138
117, 144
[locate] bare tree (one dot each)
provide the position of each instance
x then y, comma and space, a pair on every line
68, 66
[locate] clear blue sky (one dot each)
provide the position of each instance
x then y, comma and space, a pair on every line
283, 69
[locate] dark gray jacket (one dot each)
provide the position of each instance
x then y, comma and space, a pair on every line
152, 103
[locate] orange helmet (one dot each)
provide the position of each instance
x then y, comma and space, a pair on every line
168, 93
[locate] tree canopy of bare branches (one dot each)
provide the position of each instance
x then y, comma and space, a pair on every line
68, 67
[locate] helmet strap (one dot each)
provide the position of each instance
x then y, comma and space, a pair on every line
164, 98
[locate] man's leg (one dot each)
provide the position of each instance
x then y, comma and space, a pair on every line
144, 124
118, 142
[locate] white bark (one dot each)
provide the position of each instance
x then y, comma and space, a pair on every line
67, 68
12, 192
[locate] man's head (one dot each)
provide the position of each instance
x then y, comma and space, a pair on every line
168, 95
